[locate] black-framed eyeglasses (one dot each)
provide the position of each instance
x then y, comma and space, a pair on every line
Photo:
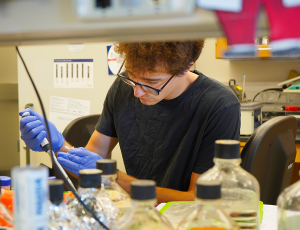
146, 88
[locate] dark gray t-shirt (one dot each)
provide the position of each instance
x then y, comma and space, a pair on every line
168, 141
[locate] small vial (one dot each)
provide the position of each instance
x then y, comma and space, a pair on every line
59, 216
144, 215
115, 192
5, 182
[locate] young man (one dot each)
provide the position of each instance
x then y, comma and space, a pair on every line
165, 118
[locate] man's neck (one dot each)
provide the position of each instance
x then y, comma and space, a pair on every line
183, 83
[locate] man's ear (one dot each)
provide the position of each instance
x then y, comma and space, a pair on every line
188, 68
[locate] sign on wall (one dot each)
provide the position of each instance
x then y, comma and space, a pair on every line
114, 61
73, 73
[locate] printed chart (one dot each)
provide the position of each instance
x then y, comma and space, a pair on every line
73, 73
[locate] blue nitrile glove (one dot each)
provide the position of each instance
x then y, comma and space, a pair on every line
33, 131
78, 159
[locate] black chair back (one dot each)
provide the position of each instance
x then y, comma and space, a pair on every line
269, 155
79, 131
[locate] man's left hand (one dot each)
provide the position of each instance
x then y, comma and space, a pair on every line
78, 159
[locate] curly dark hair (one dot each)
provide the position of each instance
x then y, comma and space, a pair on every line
170, 57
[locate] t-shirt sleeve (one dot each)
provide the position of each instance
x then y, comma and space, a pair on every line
224, 125
105, 124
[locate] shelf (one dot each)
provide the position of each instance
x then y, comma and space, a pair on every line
263, 52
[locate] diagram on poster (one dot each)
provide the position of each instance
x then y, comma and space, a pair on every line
63, 110
73, 73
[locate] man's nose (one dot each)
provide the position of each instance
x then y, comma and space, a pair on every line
138, 91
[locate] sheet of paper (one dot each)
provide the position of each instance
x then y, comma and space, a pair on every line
269, 220
63, 110
177, 211
228, 5
73, 73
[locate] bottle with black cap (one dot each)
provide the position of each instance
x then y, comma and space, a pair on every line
6, 217
59, 216
115, 192
91, 193
239, 189
288, 204
208, 213
144, 215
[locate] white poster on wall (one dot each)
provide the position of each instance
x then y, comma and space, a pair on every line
64, 110
114, 61
73, 73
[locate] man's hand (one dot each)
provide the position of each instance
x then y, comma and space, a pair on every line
78, 159
33, 131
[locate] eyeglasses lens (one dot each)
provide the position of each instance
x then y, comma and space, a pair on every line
144, 87
149, 90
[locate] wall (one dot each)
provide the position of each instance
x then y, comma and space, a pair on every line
40, 61
260, 74
9, 126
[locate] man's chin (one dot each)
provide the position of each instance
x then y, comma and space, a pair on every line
148, 101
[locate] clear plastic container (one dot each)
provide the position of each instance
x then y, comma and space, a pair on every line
144, 216
288, 204
59, 216
91, 193
30, 197
208, 213
6, 217
5, 182
115, 192
239, 189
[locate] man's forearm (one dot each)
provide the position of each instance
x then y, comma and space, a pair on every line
162, 194
124, 180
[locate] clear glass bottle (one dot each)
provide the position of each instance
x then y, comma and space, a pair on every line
91, 193
239, 189
208, 213
59, 216
115, 192
288, 204
6, 217
144, 216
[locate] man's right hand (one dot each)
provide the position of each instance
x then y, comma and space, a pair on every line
33, 131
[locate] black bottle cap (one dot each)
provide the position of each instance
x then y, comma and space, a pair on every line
90, 178
56, 190
109, 167
143, 190
208, 190
227, 149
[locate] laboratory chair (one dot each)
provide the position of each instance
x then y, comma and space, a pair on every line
269, 155
77, 133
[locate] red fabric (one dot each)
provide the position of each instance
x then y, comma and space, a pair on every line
284, 22
240, 27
